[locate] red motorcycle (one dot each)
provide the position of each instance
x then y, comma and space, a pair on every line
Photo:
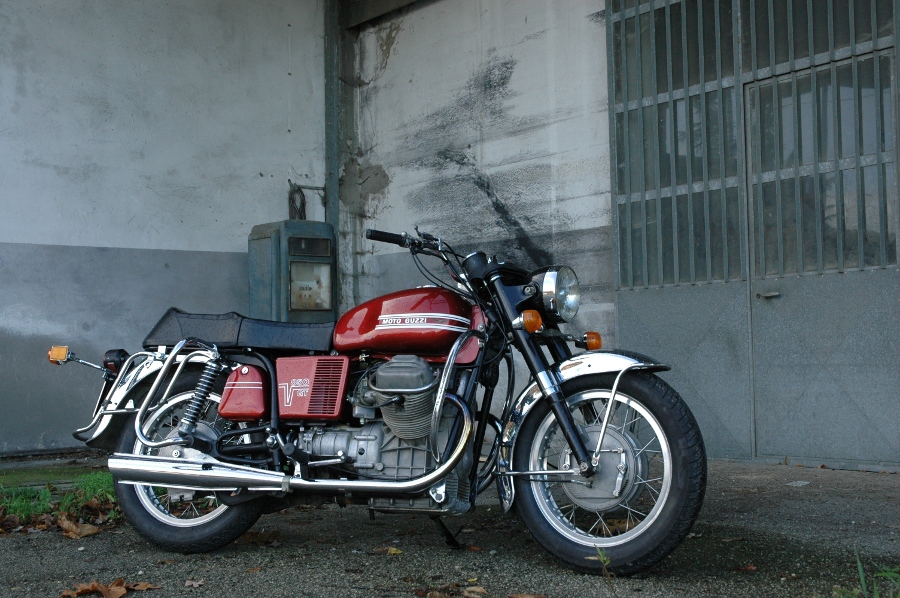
222, 418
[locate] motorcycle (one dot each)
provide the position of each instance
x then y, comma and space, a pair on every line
222, 418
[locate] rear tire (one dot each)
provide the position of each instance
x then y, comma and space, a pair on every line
653, 456
174, 519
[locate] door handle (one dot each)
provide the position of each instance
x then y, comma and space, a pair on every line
768, 295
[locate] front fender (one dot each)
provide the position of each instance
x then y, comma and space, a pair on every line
583, 364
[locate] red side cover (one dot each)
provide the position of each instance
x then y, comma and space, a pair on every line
311, 387
244, 398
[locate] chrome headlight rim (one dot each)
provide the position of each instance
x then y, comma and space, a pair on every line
553, 301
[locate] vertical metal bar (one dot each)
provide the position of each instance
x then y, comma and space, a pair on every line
809, 32
831, 30
690, 140
332, 84
704, 135
673, 139
722, 173
837, 147
643, 174
626, 143
776, 96
879, 132
658, 157
798, 204
790, 18
689, 148
758, 220
772, 37
816, 166
752, 25
743, 191
611, 85
861, 224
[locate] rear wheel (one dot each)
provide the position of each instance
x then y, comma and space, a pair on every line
649, 487
176, 518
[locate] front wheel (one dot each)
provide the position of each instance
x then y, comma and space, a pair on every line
174, 518
647, 491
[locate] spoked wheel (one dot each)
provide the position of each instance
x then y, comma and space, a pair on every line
649, 486
177, 518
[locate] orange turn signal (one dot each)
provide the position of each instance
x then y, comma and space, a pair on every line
592, 341
58, 354
532, 321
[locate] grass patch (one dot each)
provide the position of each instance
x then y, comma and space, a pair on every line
25, 503
91, 499
95, 486
884, 582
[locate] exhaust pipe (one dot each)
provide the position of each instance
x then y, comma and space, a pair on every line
212, 474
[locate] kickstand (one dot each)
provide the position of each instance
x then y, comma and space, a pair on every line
449, 537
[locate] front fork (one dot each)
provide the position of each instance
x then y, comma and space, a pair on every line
549, 385
552, 393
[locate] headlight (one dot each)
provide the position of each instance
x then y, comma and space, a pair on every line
560, 292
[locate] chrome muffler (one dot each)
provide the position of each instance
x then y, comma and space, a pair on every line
212, 474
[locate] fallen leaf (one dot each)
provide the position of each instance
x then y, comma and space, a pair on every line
77, 530
437, 595
390, 550
526, 596
254, 569
420, 592
116, 589
193, 584
9, 523
261, 538
474, 591
727, 540
474, 548
747, 568
141, 586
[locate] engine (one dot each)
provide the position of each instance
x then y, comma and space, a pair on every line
396, 447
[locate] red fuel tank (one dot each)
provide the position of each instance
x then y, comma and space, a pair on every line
424, 321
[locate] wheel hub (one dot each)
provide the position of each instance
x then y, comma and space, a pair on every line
619, 467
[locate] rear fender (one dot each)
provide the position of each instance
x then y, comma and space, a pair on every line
583, 364
124, 398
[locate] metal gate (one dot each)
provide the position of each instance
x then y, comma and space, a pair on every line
823, 199
756, 214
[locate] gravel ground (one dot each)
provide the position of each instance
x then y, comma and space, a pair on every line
756, 536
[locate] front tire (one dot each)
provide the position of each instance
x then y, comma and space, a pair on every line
650, 483
173, 518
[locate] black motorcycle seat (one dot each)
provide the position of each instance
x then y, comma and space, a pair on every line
234, 331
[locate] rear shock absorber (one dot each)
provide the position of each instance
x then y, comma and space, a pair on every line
194, 407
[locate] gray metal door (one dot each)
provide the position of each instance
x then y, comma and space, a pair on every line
824, 283
756, 212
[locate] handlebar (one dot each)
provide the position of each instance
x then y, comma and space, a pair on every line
385, 237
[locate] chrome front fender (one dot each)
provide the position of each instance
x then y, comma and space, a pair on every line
583, 364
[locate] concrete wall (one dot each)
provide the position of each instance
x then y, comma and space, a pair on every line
139, 143
484, 122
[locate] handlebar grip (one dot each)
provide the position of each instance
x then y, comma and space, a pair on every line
385, 237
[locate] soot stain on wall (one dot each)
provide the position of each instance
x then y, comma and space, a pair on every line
481, 103
465, 195
598, 17
471, 204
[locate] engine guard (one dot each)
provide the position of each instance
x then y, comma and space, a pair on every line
583, 364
